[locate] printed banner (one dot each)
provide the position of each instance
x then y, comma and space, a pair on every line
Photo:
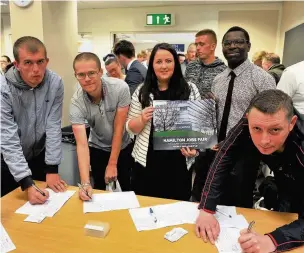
184, 123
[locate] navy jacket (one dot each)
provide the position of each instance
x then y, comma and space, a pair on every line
135, 75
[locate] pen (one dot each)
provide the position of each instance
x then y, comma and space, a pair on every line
228, 215
37, 189
250, 226
153, 214
81, 188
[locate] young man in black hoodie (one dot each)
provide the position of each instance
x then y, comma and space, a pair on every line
202, 71
273, 132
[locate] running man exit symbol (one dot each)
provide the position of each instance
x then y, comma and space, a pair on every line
159, 19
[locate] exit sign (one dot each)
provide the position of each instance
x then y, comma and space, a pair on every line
159, 19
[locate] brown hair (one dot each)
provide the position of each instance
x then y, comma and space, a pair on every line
209, 32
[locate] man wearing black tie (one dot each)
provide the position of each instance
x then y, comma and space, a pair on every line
135, 71
233, 89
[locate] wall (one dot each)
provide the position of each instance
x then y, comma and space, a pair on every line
102, 23
262, 34
292, 16
6, 43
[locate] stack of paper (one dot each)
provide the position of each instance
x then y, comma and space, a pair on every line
102, 202
6, 244
38, 212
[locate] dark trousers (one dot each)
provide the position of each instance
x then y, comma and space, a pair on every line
37, 166
99, 161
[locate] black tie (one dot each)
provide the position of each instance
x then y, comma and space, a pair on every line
224, 123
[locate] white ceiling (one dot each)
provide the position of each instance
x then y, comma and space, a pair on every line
105, 4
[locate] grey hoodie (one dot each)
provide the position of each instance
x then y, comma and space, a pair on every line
202, 75
30, 122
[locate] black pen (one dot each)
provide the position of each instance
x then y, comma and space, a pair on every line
81, 188
153, 214
37, 189
218, 211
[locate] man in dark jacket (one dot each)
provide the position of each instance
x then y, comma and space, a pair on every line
271, 63
31, 112
135, 71
272, 132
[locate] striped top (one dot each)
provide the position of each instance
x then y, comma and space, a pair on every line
140, 149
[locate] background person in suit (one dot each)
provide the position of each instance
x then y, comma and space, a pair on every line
135, 71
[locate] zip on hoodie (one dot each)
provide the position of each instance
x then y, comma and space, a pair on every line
35, 135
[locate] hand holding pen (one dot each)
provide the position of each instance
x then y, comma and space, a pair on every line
252, 242
85, 192
37, 195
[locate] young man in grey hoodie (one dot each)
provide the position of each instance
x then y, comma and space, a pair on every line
202, 71
31, 111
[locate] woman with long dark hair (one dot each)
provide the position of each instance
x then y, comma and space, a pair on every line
159, 173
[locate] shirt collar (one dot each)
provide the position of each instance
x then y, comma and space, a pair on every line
239, 69
130, 63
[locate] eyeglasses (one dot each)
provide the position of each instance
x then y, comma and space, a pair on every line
238, 43
90, 74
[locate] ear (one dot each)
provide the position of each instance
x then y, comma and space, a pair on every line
246, 115
249, 46
292, 122
213, 46
16, 64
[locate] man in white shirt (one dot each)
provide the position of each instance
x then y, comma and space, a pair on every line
292, 83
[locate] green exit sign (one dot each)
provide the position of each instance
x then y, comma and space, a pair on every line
159, 19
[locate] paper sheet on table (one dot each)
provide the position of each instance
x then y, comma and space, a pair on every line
50, 207
174, 214
6, 244
102, 202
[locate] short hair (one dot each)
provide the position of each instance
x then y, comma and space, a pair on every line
190, 45
139, 55
7, 58
32, 44
258, 56
209, 32
109, 58
273, 58
87, 56
237, 29
271, 101
124, 48
179, 54
143, 53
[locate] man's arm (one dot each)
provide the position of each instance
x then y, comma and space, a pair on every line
192, 72
10, 142
221, 166
119, 125
288, 83
53, 150
78, 118
124, 100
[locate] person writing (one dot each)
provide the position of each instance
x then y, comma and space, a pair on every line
272, 132
102, 102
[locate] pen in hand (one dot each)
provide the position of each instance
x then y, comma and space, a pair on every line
153, 214
37, 189
81, 188
250, 226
